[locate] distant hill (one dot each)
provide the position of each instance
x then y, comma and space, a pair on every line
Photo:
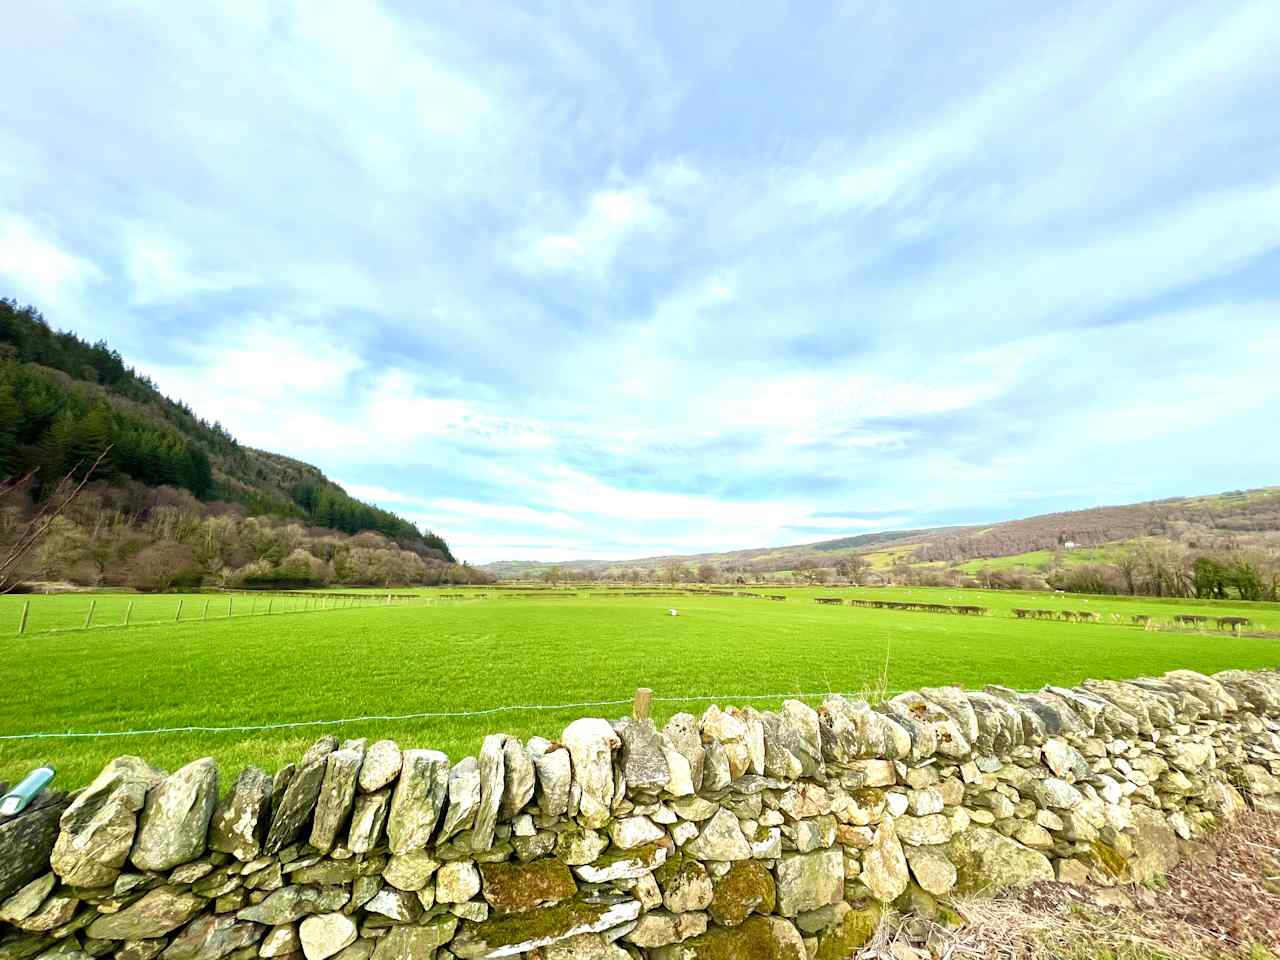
63, 401
1202, 522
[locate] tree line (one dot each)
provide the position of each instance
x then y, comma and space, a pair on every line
163, 538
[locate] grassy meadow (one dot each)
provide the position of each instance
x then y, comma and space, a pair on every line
504, 649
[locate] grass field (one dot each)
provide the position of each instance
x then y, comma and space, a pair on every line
511, 649
72, 611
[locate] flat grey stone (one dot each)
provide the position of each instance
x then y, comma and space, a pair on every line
239, 823
381, 765
418, 800
337, 794
175, 819
464, 798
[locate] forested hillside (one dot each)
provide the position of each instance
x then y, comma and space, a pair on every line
64, 401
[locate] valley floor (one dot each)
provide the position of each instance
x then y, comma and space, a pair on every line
510, 661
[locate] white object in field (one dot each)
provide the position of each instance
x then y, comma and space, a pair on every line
675, 612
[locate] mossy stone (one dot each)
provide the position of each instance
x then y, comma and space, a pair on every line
746, 888
854, 931
755, 939
1110, 859
520, 887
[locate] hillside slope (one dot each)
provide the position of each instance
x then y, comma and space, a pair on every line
63, 401
1248, 517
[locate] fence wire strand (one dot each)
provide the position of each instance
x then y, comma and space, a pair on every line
427, 715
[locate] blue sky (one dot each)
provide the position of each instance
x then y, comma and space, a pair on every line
610, 280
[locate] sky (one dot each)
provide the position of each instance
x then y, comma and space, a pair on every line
591, 280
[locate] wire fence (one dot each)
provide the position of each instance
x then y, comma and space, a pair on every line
438, 715
46, 615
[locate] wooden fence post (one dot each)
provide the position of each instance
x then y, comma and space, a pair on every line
22, 621
88, 617
178, 616
640, 706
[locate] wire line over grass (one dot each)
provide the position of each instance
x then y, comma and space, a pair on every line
432, 715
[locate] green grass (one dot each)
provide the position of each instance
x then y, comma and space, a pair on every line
508, 649
70, 611
1044, 559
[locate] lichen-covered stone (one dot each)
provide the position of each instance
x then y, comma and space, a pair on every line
410, 871
291, 811
280, 941
682, 733
1155, 846
418, 799
685, 885
658, 928
175, 819
293, 902
884, 865
368, 818
580, 845
337, 795
457, 882
492, 764
326, 934
518, 888
931, 869
629, 832
381, 765
58, 908
625, 864
509, 936
555, 776
807, 881
27, 900
416, 943
721, 839
27, 840
156, 914
519, 779
402, 906
212, 937
97, 829
591, 743
644, 761
985, 860
464, 798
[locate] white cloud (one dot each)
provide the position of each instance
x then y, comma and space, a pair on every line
158, 267
559, 271
590, 246
32, 261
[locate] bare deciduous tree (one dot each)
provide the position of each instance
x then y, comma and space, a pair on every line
37, 528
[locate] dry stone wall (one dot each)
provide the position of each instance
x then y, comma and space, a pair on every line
740, 834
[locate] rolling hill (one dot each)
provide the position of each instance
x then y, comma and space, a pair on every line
1249, 517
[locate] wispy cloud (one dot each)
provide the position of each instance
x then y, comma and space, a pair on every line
601, 282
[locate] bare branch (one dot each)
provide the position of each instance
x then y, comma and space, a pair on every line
40, 523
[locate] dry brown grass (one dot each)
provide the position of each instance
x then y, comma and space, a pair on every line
1222, 904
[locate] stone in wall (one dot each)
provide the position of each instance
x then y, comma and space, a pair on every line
778, 834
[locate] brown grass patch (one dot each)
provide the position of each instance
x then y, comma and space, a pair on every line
1222, 902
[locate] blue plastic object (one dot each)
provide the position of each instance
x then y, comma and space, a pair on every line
17, 799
